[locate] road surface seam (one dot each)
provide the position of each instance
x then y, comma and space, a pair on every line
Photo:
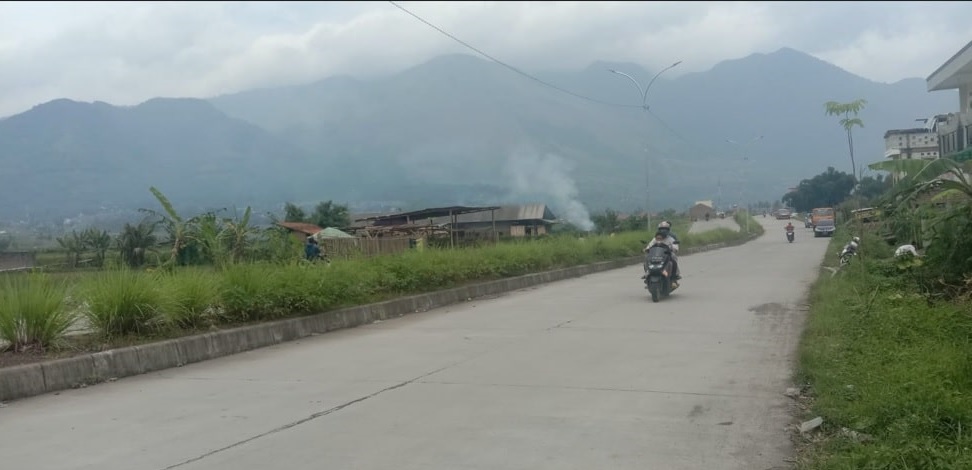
358, 400
594, 389
311, 417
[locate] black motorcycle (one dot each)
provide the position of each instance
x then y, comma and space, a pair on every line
658, 271
790, 235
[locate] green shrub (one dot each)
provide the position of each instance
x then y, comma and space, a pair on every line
33, 312
124, 302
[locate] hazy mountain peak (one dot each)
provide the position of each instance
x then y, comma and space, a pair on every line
445, 130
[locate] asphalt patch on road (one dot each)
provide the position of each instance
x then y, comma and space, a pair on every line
772, 308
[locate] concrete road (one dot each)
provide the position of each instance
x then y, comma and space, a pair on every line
712, 224
581, 374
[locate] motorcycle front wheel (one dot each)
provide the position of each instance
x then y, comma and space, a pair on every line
654, 289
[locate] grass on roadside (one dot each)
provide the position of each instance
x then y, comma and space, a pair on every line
883, 362
125, 303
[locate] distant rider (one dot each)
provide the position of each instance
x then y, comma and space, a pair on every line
789, 227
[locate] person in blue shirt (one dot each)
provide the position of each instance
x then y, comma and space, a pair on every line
312, 251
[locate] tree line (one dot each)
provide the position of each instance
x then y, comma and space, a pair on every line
167, 238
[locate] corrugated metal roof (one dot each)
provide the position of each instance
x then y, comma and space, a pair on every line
504, 214
301, 227
428, 213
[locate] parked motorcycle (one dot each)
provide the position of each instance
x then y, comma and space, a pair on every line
849, 251
658, 271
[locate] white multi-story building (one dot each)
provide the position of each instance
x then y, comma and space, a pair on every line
917, 143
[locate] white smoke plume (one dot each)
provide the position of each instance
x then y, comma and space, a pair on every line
531, 174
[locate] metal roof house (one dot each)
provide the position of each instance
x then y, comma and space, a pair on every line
509, 221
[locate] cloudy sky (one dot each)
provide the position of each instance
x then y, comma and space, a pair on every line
125, 53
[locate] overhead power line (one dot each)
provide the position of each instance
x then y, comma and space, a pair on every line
508, 66
541, 81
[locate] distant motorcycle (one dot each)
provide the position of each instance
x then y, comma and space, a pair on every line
658, 271
790, 235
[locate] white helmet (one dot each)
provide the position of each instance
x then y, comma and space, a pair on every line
665, 224
856, 239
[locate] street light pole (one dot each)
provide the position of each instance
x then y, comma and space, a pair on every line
644, 105
744, 148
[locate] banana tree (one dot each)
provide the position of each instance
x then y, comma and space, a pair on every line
947, 178
940, 192
239, 232
177, 228
211, 235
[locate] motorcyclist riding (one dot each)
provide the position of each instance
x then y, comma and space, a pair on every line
669, 238
789, 227
663, 239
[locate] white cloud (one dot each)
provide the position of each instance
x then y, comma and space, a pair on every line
125, 53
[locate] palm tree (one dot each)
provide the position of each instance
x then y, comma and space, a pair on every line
99, 241
136, 240
74, 246
849, 121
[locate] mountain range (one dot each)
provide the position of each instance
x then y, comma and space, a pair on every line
460, 130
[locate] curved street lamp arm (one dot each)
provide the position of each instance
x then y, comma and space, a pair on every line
655, 78
642, 91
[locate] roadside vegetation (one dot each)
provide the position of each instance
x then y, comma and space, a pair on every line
215, 273
886, 358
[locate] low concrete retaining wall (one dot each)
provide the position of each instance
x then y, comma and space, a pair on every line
60, 374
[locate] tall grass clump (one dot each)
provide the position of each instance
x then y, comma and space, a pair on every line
123, 302
33, 312
245, 291
191, 298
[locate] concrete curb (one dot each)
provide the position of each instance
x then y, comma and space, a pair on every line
44, 377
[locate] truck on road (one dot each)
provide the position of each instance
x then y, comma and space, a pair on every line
820, 213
